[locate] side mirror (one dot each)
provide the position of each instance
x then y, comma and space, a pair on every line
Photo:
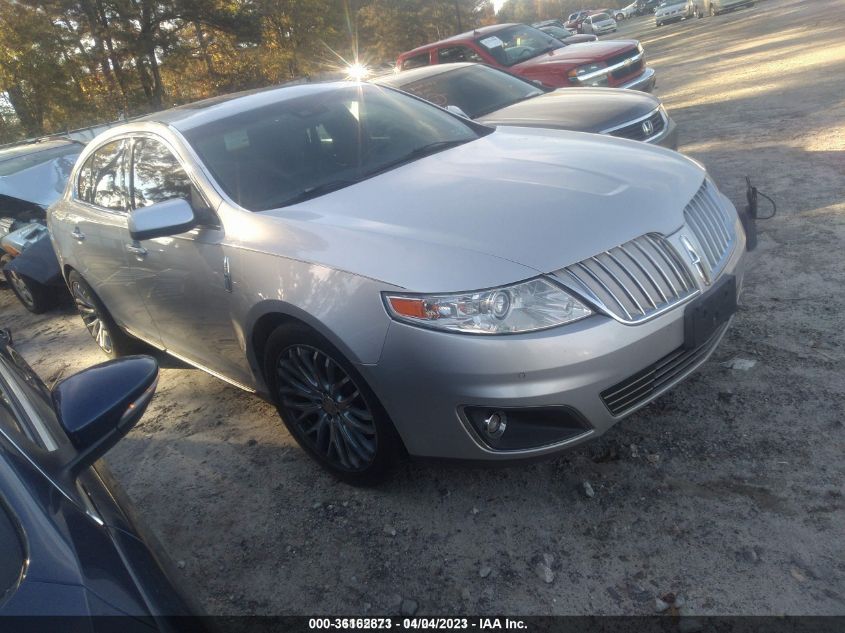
456, 110
98, 406
170, 217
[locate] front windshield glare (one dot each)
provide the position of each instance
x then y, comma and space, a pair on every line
517, 43
300, 147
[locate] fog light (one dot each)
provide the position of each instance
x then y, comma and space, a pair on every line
495, 424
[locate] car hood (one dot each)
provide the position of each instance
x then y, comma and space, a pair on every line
580, 38
512, 204
581, 109
41, 184
578, 53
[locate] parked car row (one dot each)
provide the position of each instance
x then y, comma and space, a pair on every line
534, 55
676, 10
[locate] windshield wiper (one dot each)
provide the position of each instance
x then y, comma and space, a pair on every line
317, 190
419, 152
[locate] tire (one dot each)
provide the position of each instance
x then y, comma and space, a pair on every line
619, 17
113, 341
35, 296
328, 407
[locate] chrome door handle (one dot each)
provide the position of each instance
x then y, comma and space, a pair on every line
77, 234
139, 251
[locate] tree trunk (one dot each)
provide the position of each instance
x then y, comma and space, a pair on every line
32, 120
209, 64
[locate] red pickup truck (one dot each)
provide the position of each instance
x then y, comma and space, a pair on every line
528, 52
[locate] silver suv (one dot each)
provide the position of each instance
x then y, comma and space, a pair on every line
393, 276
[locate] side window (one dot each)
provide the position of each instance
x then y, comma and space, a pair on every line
157, 174
108, 175
102, 178
417, 61
85, 183
458, 54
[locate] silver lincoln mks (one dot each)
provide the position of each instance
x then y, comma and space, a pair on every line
393, 276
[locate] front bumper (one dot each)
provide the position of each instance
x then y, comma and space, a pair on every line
644, 82
425, 378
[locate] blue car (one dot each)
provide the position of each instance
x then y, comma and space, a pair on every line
70, 544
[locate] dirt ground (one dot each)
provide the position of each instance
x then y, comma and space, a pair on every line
728, 490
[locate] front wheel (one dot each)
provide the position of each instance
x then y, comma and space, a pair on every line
35, 296
328, 408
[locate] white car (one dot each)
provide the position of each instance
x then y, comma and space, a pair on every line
671, 11
599, 24
626, 13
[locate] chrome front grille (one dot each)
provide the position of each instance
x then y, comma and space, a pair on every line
633, 282
642, 129
706, 217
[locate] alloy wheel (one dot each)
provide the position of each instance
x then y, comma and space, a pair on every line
321, 400
23, 291
91, 316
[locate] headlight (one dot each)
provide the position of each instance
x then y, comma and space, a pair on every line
586, 69
532, 305
576, 74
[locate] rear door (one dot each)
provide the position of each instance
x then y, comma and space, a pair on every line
100, 233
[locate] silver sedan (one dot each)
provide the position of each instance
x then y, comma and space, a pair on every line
394, 276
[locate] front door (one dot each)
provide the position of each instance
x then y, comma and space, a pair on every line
182, 278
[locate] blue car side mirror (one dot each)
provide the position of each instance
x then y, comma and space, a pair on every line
99, 405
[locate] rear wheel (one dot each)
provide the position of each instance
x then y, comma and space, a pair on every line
327, 406
113, 341
35, 296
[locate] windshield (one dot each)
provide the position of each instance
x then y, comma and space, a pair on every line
302, 147
517, 43
477, 90
601, 17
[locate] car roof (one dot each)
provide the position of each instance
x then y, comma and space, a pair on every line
192, 115
462, 37
11, 152
397, 80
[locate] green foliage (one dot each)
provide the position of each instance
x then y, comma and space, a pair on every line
70, 63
